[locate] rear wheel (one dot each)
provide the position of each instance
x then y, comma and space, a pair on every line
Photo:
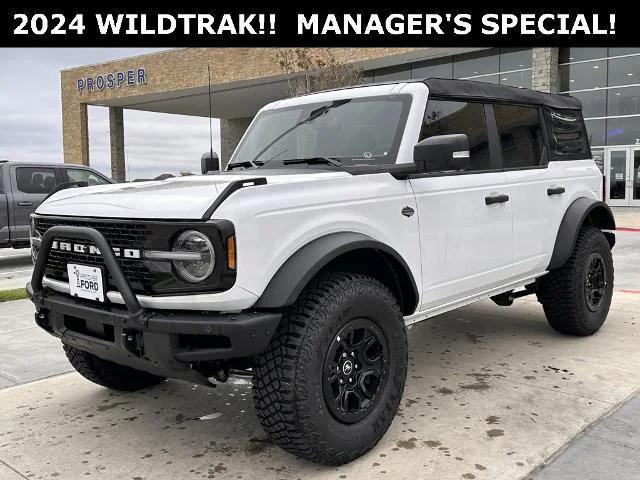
576, 298
329, 384
109, 374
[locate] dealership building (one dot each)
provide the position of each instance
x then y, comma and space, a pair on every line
606, 80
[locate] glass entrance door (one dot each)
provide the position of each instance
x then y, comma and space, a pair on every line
634, 177
617, 175
623, 176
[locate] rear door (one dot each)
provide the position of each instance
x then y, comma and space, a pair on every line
465, 217
30, 185
540, 192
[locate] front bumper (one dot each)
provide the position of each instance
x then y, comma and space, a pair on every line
177, 344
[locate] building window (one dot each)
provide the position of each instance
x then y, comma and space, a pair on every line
444, 117
593, 102
595, 131
579, 54
623, 101
476, 63
506, 66
580, 76
520, 135
392, 74
624, 71
607, 81
433, 69
514, 59
623, 131
520, 79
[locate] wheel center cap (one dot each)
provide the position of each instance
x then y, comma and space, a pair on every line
347, 367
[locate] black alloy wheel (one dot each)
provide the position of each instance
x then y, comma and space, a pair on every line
355, 370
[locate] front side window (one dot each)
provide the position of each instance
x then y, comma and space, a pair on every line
78, 175
520, 135
35, 180
355, 131
444, 117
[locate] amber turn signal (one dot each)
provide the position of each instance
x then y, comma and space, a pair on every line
231, 252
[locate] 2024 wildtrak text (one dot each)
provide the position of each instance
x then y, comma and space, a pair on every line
342, 217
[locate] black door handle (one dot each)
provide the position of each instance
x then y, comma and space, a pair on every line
555, 191
25, 204
496, 199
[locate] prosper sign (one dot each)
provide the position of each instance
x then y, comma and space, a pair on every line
109, 81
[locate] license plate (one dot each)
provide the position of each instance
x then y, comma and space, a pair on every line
85, 281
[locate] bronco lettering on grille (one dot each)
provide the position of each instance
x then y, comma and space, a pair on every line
93, 250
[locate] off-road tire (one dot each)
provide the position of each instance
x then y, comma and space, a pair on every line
562, 292
109, 374
288, 381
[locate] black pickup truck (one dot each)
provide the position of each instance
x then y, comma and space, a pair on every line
23, 186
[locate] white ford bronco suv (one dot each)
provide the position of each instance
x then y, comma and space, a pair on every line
342, 218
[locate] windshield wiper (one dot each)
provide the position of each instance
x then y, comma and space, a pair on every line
314, 161
245, 164
318, 112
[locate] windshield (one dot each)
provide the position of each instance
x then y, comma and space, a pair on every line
358, 131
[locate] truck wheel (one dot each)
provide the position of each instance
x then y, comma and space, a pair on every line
576, 297
329, 384
109, 374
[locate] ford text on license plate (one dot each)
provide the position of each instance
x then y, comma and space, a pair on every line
85, 281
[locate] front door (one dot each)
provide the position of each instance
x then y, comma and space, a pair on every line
465, 217
623, 176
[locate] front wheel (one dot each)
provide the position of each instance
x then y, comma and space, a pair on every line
576, 298
329, 384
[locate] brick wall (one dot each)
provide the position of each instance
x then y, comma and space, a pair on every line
545, 74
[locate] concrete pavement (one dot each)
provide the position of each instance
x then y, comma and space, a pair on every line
15, 267
26, 352
492, 393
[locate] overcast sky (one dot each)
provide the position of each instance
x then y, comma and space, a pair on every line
31, 121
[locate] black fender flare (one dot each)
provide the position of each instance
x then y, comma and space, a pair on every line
286, 285
582, 210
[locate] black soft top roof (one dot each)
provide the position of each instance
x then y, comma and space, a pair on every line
470, 89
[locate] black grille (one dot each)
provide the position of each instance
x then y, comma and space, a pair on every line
122, 235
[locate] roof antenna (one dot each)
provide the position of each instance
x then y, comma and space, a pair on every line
210, 113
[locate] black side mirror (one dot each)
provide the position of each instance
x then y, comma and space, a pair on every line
209, 162
442, 153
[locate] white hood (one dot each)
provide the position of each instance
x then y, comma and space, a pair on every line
174, 198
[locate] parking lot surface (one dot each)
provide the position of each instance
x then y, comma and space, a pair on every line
492, 392
15, 267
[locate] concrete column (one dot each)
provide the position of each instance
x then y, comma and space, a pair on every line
116, 134
545, 72
231, 131
75, 133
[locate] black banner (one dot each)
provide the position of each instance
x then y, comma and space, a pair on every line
318, 26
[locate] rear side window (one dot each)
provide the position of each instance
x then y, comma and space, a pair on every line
444, 117
35, 179
569, 140
520, 135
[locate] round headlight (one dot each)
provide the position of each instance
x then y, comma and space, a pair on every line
200, 266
